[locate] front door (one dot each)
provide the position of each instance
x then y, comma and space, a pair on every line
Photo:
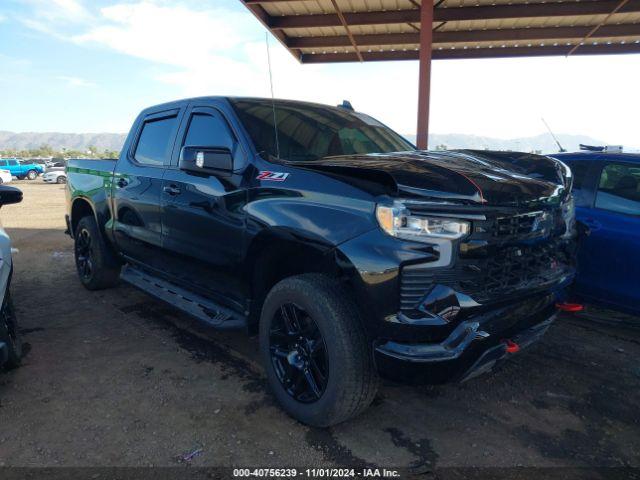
137, 187
203, 218
609, 256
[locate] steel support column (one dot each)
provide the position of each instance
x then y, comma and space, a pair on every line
424, 92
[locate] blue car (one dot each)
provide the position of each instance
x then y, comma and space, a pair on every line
607, 195
21, 170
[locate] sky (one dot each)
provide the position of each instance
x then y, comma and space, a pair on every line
92, 65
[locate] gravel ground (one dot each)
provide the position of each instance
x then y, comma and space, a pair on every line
114, 378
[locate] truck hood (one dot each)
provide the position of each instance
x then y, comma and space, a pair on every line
466, 176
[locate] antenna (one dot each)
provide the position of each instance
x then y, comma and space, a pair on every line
273, 100
554, 137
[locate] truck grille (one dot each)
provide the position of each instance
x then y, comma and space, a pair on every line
512, 258
516, 224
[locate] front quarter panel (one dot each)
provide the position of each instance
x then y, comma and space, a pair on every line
308, 205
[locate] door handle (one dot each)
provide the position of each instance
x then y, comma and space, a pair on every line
172, 190
122, 182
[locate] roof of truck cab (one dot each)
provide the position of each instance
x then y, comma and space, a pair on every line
280, 101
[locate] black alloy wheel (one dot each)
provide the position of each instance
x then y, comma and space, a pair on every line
84, 254
298, 354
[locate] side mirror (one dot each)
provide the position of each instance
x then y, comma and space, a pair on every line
9, 195
206, 159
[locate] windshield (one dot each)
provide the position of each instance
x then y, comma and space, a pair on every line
309, 132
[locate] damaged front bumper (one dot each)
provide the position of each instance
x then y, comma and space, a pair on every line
474, 347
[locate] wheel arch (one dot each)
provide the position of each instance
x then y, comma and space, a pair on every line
82, 207
277, 254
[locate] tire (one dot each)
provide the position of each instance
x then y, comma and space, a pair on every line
20, 177
1, 181
61, 179
32, 175
10, 334
342, 351
97, 266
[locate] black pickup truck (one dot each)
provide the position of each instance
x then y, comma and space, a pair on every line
350, 253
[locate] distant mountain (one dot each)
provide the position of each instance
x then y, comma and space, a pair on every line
58, 141
543, 142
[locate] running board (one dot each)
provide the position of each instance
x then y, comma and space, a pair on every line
195, 305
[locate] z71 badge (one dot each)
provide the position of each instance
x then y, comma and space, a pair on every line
273, 176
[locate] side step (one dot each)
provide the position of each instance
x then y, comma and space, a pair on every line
195, 305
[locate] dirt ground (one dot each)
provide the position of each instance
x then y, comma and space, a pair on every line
114, 378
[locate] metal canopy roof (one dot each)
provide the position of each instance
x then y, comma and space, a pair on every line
323, 31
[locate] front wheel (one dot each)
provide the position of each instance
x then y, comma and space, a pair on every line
61, 179
10, 334
97, 266
32, 174
317, 357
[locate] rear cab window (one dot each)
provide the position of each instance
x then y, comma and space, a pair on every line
619, 189
155, 142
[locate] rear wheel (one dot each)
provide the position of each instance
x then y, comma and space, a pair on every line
61, 179
97, 266
9, 334
317, 357
32, 174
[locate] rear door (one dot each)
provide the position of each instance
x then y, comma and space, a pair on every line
203, 217
15, 168
137, 188
609, 257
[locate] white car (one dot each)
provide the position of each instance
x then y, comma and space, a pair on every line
10, 342
5, 176
55, 177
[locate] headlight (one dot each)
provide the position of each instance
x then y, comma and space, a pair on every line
398, 222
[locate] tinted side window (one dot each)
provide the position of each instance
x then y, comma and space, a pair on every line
209, 130
579, 170
13, 162
3, 163
155, 142
619, 189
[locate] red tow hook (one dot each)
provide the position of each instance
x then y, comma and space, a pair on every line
570, 307
512, 347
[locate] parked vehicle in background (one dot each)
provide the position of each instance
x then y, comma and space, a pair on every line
10, 341
607, 196
57, 176
347, 251
56, 167
5, 176
37, 161
21, 170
